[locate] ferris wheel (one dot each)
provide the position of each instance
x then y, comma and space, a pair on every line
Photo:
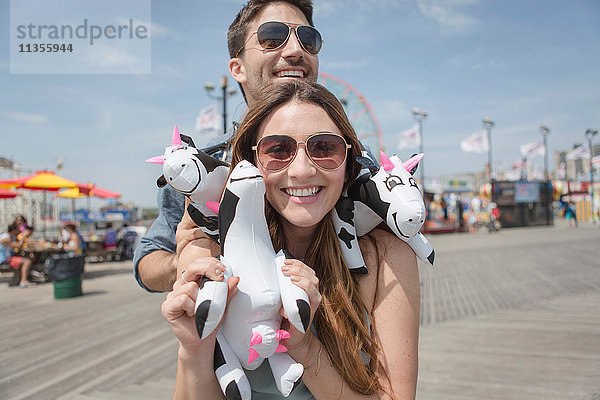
359, 112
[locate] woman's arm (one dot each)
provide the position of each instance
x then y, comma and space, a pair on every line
392, 291
195, 365
396, 310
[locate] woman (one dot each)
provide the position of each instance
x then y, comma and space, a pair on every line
75, 243
364, 337
21, 221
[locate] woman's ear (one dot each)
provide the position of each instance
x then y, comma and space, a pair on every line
237, 69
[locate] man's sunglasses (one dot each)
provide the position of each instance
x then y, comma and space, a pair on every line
272, 35
326, 150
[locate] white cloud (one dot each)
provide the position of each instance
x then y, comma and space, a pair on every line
24, 117
445, 13
106, 57
156, 29
475, 60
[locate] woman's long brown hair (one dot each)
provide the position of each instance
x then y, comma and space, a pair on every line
341, 319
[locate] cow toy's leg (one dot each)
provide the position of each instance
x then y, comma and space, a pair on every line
210, 304
229, 372
294, 299
286, 371
343, 221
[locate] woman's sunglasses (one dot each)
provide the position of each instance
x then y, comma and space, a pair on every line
272, 35
326, 150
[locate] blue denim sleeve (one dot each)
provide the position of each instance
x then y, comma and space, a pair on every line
161, 235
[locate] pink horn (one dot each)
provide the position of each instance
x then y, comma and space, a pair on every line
414, 160
388, 165
176, 140
156, 160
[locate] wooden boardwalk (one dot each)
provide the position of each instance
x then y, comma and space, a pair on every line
513, 315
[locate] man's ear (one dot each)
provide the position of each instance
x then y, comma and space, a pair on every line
238, 70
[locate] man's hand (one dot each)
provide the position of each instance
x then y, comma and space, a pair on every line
160, 269
192, 243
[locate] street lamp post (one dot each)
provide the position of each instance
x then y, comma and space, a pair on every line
420, 115
589, 134
544, 130
488, 124
209, 87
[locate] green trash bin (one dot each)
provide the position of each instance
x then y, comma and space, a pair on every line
67, 288
66, 271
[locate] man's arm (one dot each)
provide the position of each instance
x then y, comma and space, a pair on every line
164, 250
153, 262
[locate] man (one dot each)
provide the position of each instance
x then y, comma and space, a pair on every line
9, 243
259, 56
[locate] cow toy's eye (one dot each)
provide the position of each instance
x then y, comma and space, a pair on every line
392, 181
412, 182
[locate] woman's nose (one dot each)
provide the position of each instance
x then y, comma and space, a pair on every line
302, 167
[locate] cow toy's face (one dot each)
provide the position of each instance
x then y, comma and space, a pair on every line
398, 188
245, 176
182, 169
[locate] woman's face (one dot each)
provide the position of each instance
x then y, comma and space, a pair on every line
302, 193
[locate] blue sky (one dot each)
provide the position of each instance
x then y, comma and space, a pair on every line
520, 63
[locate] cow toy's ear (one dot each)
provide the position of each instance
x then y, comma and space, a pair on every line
161, 182
368, 163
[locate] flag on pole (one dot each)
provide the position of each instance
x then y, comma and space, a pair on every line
561, 171
578, 152
409, 138
476, 143
533, 149
596, 161
208, 119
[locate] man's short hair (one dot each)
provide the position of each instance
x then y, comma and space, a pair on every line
236, 37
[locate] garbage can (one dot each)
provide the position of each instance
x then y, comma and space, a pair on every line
66, 270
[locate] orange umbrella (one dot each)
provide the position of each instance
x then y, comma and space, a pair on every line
41, 180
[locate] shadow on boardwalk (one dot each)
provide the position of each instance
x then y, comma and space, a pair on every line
513, 315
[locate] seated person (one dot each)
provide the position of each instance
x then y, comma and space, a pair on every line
110, 237
21, 222
24, 236
8, 244
75, 244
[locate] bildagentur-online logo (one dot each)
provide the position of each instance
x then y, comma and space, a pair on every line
131, 30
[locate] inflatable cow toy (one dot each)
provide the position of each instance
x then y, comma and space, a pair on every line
196, 175
382, 194
250, 331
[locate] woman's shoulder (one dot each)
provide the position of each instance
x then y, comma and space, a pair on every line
381, 245
388, 259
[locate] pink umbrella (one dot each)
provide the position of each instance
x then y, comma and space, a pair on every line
7, 194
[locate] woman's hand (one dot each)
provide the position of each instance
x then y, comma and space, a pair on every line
179, 306
305, 278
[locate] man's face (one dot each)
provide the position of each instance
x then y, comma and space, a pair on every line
257, 67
